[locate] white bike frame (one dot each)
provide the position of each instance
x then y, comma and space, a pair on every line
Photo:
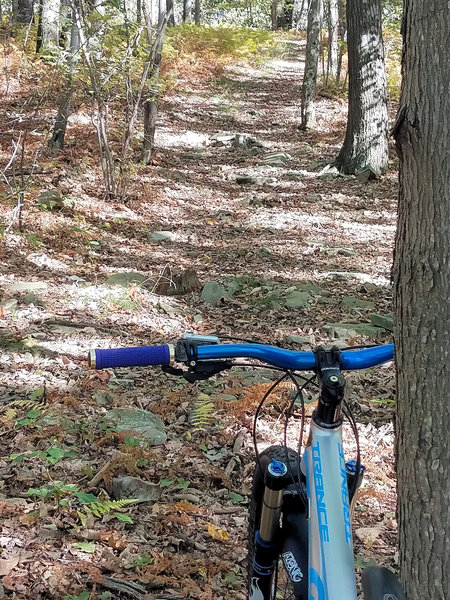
330, 559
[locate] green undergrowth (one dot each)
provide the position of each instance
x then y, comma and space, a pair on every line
196, 51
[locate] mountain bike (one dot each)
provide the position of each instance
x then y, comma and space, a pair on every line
300, 535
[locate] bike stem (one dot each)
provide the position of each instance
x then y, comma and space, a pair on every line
332, 387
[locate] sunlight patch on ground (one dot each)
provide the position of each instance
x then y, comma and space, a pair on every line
168, 139
42, 260
292, 221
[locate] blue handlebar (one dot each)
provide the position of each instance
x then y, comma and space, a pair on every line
130, 357
300, 361
285, 359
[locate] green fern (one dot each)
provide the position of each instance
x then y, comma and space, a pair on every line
100, 509
202, 413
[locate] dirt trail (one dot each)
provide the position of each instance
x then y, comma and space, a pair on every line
283, 241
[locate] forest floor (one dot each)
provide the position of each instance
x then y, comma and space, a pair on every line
301, 257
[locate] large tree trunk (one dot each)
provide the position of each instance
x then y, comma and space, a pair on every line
333, 35
24, 10
366, 145
422, 304
49, 24
311, 62
187, 11
274, 14
197, 12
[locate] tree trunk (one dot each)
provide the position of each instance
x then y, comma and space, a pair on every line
24, 10
197, 12
59, 130
422, 306
169, 10
187, 11
49, 23
151, 104
274, 14
300, 15
342, 36
333, 33
311, 61
366, 145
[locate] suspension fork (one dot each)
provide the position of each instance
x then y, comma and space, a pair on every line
266, 538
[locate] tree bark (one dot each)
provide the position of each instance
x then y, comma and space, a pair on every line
169, 10
311, 62
197, 12
49, 24
366, 145
342, 36
24, 11
300, 15
151, 103
187, 11
59, 130
422, 307
333, 36
274, 14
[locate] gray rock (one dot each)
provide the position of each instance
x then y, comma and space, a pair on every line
341, 251
198, 318
350, 330
320, 164
143, 422
242, 141
30, 298
383, 321
128, 487
51, 200
323, 300
212, 292
173, 174
352, 302
367, 174
194, 155
162, 236
346, 251
308, 287
294, 175
369, 287
300, 340
313, 198
244, 179
297, 299
276, 158
170, 310
329, 172
9, 305
27, 286
235, 286
125, 279
265, 180
347, 275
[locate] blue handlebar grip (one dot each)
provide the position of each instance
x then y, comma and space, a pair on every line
142, 356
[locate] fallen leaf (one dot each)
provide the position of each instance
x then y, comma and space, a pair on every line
368, 535
8, 564
28, 519
218, 534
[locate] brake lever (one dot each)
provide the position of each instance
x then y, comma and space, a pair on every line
200, 371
